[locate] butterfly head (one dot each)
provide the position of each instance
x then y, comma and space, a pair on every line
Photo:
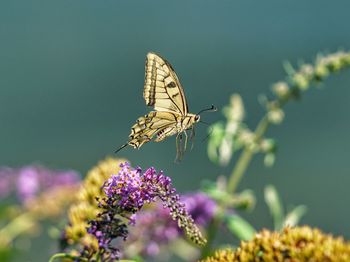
197, 118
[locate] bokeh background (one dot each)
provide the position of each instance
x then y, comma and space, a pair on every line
71, 82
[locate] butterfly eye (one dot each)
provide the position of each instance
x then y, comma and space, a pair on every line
196, 118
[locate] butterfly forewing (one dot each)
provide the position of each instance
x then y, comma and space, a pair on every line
162, 87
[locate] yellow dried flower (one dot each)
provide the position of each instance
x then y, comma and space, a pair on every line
85, 208
296, 244
222, 255
51, 203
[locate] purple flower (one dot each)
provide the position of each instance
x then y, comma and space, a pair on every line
155, 227
200, 206
33, 180
7, 181
131, 189
28, 184
126, 187
152, 249
105, 230
29, 181
126, 193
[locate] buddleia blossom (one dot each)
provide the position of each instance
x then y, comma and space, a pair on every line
155, 229
41, 193
75, 238
222, 255
126, 193
107, 228
292, 244
7, 181
29, 181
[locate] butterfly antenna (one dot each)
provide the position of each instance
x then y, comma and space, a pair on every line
211, 109
116, 151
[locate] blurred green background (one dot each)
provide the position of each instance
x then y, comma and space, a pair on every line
71, 83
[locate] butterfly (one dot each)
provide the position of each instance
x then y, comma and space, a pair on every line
163, 91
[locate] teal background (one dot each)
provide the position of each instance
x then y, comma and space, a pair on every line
71, 80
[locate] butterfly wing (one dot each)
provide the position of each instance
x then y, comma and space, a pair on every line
155, 123
162, 88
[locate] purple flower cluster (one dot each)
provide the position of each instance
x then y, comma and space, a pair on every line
132, 189
110, 228
126, 193
201, 207
156, 228
27, 182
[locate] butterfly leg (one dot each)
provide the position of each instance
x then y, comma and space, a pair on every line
192, 137
178, 147
185, 145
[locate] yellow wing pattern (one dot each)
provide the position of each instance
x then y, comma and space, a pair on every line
162, 87
161, 124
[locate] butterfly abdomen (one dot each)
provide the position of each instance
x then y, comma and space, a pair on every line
162, 134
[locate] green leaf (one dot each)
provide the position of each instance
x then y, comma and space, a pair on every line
274, 204
239, 227
294, 216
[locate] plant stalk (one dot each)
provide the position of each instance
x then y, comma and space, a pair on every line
245, 157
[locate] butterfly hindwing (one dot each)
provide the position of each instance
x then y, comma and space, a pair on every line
162, 88
161, 124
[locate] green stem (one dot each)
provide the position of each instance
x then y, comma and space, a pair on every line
17, 226
245, 157
248, 152
65, 255
212, 230
236, 175
239, 170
